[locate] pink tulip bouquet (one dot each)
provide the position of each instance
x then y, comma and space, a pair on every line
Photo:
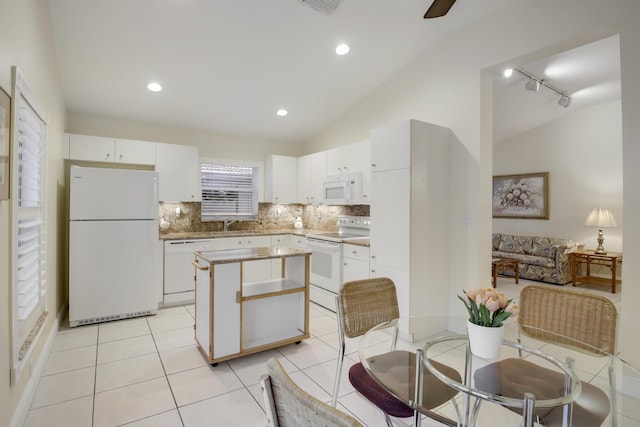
488, 307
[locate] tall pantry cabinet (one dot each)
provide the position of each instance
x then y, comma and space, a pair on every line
410, 214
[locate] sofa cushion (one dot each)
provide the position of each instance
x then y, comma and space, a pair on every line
545, 246
515, 244
527, 259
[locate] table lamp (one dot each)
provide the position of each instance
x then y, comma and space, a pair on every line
600, 218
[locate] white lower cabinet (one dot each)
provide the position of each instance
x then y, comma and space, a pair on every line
236, 317
355, 262
178, 270
298, 241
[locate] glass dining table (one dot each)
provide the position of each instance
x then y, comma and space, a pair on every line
493, 392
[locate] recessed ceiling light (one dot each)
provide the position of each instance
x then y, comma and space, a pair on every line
154, 87
508, 72
282, 112
342, 49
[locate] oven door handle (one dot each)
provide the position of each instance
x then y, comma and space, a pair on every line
323, 244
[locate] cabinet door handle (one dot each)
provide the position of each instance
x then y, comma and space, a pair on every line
238, 297
200, 267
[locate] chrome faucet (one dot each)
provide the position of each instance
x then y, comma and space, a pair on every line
227, 223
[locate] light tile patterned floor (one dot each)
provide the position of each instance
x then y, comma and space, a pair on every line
148, 372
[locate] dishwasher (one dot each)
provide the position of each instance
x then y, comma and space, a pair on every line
179, 273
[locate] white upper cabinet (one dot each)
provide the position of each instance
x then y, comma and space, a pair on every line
349, 158
281, 176
92, 148
312, 169
107, 149
391, 147
135, 152
178, 167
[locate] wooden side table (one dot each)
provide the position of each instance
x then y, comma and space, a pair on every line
610, 260
499, 265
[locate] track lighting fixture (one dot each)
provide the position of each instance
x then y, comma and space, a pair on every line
534, 83
564, 101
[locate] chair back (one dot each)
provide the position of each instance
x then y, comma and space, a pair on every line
575, 319
363, 304
287, 405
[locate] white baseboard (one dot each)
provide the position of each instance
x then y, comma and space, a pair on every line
22, 410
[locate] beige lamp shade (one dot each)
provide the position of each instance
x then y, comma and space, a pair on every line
600, 218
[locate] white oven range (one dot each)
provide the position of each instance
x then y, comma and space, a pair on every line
325, 275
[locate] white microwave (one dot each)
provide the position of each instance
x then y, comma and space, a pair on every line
343, 189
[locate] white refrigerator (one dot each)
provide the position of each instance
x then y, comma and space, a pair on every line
115, 256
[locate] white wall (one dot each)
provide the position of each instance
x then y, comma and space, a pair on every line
450, 85
26, 41
583, 154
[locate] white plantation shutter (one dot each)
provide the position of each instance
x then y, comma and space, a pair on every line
30, 145
29, 235
30, 266
228, 191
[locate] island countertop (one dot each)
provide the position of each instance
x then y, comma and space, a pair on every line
250, 254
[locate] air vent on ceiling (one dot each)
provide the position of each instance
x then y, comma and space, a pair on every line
324, 6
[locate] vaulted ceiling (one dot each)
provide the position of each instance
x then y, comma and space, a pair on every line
228, 66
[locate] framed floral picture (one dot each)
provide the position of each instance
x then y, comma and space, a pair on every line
5, 142
521, 196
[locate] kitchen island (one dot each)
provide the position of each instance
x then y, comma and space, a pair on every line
236, 316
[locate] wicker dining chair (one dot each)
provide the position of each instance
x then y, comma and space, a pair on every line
577, 320
287, 405
361, 305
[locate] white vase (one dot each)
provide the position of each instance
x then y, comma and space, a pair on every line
485, 341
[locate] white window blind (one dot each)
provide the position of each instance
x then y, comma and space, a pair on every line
29, 235
228, 191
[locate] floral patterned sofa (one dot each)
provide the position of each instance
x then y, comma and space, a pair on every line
545, 259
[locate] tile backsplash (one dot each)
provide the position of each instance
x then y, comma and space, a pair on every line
270, 217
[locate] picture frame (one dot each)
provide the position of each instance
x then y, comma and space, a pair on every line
523, 196
5, 143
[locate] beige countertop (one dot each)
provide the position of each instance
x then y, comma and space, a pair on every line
241, 233
250, 254
359, 242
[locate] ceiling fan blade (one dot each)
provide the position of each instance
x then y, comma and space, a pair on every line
439, 8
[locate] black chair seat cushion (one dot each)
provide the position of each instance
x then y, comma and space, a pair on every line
397, 369
513, 377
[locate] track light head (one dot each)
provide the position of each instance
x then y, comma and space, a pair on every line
532, 84
564, 101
